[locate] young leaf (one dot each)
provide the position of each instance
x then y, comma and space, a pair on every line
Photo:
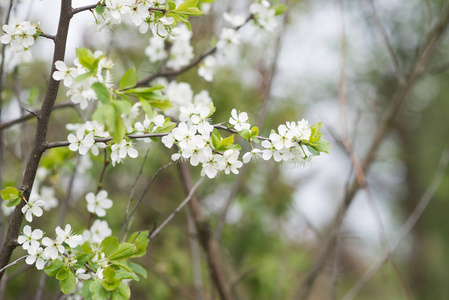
129, 80
122, 292
110, 284
68, 284
98, 291
146, 107
279, 8
140, 239
9, 193
254, 131
109, 245
109, 273
53, 268
101, 91
62, 274
124, 250
122, 274
138, 269
245, 133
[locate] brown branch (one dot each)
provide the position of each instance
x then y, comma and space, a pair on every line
84, 8
39, 148
48, 36
33, 115
398, 99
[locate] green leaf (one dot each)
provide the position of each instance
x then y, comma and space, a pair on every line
254, 131
323, 146
122, 292
216, 139
101, 91
146, 107
86, 290
53, 268
110, 284
144, 92
68, 284
109, 245
129, 80
312, 150
245, 133
279, 9
124, 250
212, 109
140, 239
227, 142
121, 265
98, 291
235, 147
167, 127
9, 193
62, 274
161, 104
99, 9
138, 269
13, 202
109, 273
122, 274
171, 5
86, 58
315, 135
189, 7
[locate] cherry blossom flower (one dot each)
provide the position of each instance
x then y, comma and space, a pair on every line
67, 236
97, 204
64, 73
239, 121
80, 141
33, 207
36, 256
29, 239
52, 248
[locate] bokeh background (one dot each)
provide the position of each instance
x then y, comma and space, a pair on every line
322, 52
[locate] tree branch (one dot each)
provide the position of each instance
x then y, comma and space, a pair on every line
33, 115
38, 149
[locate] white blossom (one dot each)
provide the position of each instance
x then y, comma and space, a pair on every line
97, 204
239, 121
33, 207
36, 256
67, 236
30, 239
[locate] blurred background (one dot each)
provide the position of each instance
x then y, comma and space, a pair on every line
331, 61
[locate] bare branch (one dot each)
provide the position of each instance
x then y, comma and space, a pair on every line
33, 115
177, 210
384, 35
13, 263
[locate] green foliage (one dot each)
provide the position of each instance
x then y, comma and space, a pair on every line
11, 196
128, 80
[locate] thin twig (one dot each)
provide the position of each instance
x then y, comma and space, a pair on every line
33, 115
48, 36
128, 217
13, 263
383, 33
177, 210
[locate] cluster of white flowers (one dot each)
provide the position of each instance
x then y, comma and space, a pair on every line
121, 150
81, 92
43, 249
181, 94
21, 36
138, 12
285, 145
193, 139
97, 232
264, 15
181, 52
84, 140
